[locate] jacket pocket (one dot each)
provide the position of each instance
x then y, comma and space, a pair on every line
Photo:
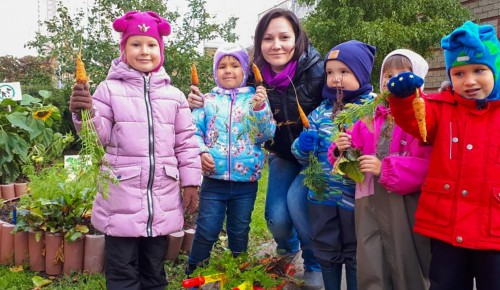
169, 194
436, 201
126, 195
495, 212
172, 172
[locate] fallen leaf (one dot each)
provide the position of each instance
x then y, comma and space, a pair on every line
17, 269
40, 282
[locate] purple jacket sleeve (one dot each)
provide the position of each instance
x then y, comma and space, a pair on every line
186, 147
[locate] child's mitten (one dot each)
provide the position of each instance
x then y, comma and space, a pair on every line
404, 84
307, 140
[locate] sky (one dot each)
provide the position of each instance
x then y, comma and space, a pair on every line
18, 23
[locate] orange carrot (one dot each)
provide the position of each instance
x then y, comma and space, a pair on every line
419, 109
303, 117
258, 76
194, 76
81, 74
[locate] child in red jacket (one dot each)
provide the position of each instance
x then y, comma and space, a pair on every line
459, 208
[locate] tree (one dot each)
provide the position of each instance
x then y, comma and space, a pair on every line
92, 32
30, 71
418, 25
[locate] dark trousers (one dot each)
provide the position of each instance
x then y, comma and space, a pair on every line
135, 263
334, 244
454, 268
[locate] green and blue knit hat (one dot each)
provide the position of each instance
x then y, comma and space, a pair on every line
473, 44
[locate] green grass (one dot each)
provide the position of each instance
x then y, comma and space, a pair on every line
22, 281
258, 227
259, 235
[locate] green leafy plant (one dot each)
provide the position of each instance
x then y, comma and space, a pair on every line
26, 135
58, 203
315, 176
41, 210
92, 156
347, 163
351, 112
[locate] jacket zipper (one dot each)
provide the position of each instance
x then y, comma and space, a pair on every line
149, 192
229, 134
451, 140
285, 112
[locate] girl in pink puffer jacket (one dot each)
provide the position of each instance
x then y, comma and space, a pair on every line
146, 126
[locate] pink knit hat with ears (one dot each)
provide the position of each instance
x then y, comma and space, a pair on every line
142, 23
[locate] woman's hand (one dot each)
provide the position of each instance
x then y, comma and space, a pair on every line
343, 141
259, 98
370, 164
195, 98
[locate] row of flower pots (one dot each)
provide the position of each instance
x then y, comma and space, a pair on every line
12, 190
52, 254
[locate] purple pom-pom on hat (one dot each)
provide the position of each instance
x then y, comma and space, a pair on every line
164, 29
120, 25
144, 24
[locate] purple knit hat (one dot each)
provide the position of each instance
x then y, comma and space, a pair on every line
142, 23
358, 56
233, 50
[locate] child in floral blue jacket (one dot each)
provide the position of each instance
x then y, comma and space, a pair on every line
231, 129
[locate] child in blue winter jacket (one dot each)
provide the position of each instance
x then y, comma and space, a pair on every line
348, 67
231, 128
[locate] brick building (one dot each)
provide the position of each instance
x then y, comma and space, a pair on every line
487, 12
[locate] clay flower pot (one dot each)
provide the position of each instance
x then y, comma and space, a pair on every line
53, 253
8, 191
20, 188
93, 260
1, 223
21, 248
174, 245
7, 250
35, 251
73, 256
187, 242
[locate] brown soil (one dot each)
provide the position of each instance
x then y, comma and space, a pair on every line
6, 211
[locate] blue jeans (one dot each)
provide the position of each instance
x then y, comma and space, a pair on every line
220, 199
286, 210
